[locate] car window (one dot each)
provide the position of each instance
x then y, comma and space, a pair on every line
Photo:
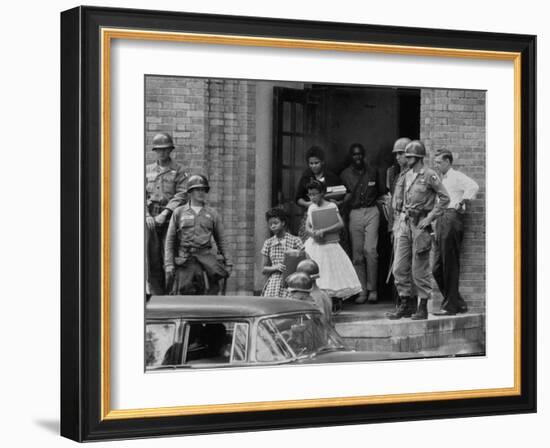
292, 336
240, 342
216, 342
159, 343
269, 346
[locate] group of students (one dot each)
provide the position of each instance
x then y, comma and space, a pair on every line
327, 272
419, 204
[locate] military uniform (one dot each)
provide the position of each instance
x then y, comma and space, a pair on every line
415, 199
164, 190
188, 250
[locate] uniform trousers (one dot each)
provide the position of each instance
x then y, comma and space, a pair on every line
446, 269
154, 259
411, 266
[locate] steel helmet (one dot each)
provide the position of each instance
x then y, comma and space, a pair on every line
308, 267
400, 144
299, 281
162, 141
415, 149
197, 181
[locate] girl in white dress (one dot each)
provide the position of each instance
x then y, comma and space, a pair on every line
337, 275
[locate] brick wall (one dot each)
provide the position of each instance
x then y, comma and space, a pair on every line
213, 124
455, 120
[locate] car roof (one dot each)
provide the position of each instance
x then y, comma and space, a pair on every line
222, 306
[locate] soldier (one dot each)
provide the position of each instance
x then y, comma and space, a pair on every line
416, 207
319, 297
399, 165
190, 264
449, 233
164, 192
392, 174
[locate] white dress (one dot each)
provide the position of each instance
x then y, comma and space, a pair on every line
337, 276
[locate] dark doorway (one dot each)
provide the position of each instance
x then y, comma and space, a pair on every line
334, 117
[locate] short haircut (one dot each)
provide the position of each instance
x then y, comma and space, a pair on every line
315, 151
277, 212
445, 154
356, 145
315, 184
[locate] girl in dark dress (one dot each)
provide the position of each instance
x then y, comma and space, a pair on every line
315, 158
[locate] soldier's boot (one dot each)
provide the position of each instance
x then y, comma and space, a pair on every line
422, 312
413, 305
402, 310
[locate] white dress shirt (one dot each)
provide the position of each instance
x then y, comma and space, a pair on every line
459, 187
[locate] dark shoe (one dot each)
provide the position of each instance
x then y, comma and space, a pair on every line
443, 313
402, 311
422, 312
463, 309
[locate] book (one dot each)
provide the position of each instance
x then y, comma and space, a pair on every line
336, 192
323, 218
291, 261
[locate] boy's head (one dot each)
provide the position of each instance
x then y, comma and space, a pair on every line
299, 285
277, 220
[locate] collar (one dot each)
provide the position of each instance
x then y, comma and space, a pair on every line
173, 165
450, 171
279, 240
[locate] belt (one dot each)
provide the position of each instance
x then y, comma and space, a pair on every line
194, 250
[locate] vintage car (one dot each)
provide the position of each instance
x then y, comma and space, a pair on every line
229, 331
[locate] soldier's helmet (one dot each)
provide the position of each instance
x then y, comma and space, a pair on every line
308, 267
400, 144
197, 181
299, 281
415, 149
162, 141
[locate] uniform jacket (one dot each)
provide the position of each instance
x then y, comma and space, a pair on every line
190, 231
165, 187
421, 194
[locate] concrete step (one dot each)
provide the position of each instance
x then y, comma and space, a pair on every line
365, 327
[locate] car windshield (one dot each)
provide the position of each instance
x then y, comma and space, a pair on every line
300, 335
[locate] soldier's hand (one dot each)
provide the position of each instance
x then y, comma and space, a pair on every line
160, 219
229, 268
150, 222
424, 223
169, 277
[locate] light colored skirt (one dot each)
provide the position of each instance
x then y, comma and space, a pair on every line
337, 276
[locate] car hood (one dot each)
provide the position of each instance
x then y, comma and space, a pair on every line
353, 356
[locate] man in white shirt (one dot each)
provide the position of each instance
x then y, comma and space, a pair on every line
449, 233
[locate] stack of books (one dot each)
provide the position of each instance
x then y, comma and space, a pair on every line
337, 192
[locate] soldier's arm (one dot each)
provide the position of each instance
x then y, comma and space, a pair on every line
442, 195
219, 237
170, 243
180, 197
381, 183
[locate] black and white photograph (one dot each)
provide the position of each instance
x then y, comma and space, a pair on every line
298, 222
